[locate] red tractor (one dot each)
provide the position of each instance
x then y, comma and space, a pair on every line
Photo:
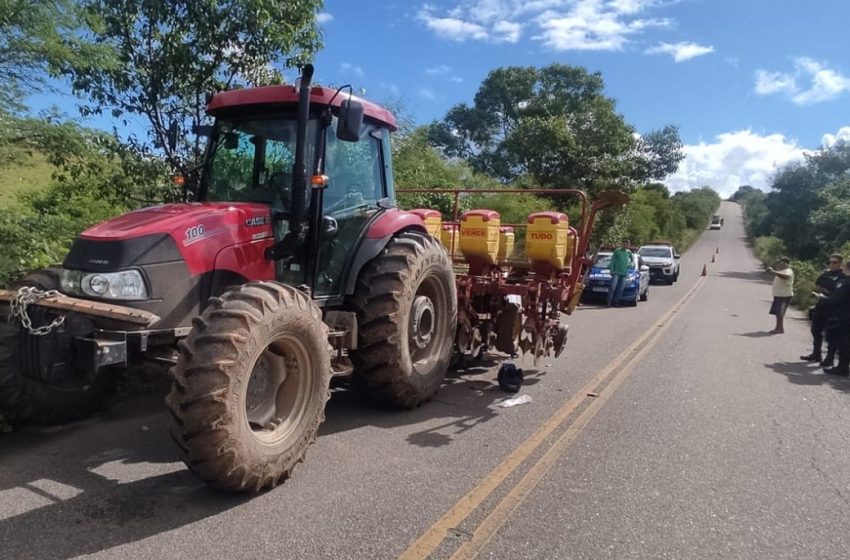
291, 265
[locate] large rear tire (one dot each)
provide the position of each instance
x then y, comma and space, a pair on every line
406, 307
250, 386
38, 382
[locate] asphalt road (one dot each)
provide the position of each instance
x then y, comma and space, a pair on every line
706, 438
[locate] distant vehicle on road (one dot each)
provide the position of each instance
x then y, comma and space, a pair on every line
716, 222
663, 261
637, 282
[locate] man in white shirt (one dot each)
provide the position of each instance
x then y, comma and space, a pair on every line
783, 291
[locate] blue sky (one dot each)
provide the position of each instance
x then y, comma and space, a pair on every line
752, 84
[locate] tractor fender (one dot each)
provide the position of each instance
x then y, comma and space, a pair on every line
393, 221
379, 233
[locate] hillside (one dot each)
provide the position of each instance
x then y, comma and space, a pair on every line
31, 174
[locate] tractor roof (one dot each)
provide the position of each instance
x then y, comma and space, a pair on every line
288, 95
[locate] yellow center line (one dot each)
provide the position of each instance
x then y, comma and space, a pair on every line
429, 541
500, 514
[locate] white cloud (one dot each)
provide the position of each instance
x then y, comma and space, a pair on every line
441, 70
348, 68
323, 17
506, 32
444, 72
452, 28
733, 159
427, 94
591, 25
681, 51
561, 24
774, 82
841, 137
811, 82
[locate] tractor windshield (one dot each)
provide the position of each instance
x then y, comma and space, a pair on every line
251, 161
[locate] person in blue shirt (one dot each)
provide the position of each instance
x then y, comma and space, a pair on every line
621, 261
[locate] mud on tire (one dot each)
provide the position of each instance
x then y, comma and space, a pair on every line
250, 386
33, 400
406, 307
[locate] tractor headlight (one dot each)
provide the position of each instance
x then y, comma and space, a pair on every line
124, 285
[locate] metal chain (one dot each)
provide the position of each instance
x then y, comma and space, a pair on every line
25, 297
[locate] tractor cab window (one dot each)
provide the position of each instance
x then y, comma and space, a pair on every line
252, 161
356, 182
355, 172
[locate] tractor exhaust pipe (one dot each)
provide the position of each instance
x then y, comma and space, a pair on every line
299, 168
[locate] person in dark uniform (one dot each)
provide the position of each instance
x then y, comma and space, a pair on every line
838, 322
825, 285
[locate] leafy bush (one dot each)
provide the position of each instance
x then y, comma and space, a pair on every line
95, 178
768, 249
653, 214
41, 229
805, 274
513, 208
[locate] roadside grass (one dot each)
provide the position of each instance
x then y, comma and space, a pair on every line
687, 238
31, 173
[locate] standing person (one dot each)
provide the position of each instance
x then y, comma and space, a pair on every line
621, 261
838, 322
825, 285
783, 291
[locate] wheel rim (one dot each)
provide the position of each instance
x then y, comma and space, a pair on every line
422, 327
427, 328
277, 395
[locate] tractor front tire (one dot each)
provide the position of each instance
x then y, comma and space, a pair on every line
25, 394
250, 386
406, 307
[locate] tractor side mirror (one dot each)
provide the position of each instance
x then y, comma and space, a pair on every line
330, 227
350, 120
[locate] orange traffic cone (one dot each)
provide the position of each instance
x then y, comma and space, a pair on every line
704, 271
717, 251
712, 258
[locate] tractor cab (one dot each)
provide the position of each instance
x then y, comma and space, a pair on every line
323, 170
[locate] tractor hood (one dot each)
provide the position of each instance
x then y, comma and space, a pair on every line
195, 233
180, 221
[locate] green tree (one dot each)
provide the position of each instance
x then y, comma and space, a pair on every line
697, 206
36, 36
162, 57
743, 192
556, 125
417, 165
95, 177
831, 218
